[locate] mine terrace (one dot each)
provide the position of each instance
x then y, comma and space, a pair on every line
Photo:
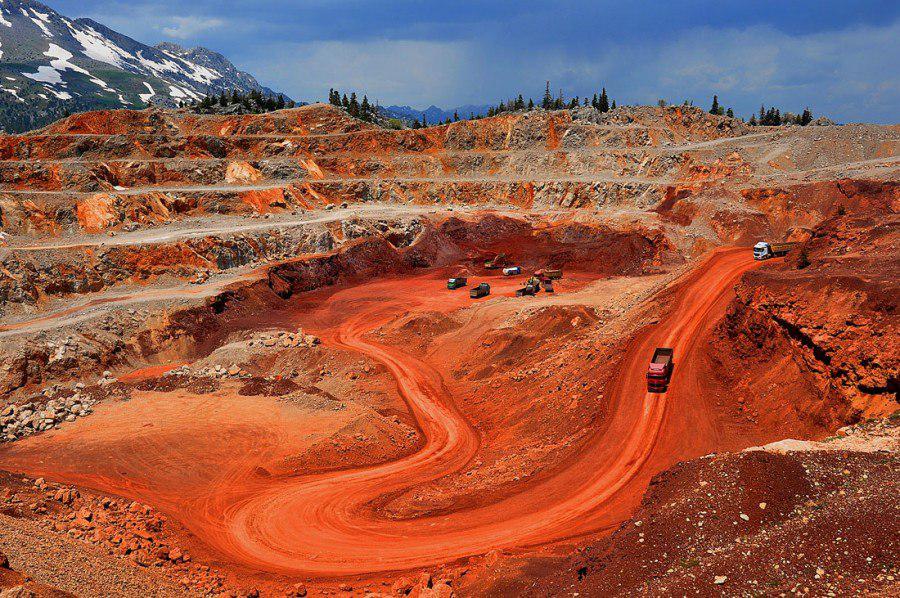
230, 360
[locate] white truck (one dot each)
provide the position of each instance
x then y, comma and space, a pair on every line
765, 250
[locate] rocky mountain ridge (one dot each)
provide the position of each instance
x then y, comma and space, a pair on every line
51, 65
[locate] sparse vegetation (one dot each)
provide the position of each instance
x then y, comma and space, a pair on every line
363, 110
236, 102
773, 117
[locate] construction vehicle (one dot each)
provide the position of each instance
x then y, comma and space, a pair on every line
532, 287
455, 283
659, 372
546, 274
765, 250
496, 262
480, 290
548, 285
512, 270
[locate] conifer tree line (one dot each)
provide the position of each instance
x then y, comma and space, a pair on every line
558, 101
771, 117
363, 110
254, 102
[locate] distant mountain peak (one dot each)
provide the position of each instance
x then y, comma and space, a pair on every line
51, 64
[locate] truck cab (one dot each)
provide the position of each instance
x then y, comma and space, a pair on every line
512, 270
762, 251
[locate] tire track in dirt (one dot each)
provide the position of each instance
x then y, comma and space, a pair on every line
325, 525
330, 524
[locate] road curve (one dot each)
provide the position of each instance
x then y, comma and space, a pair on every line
328, 524
325, 524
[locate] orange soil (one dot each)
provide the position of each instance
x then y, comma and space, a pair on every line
327, 524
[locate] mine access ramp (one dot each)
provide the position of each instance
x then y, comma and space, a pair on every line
659, 372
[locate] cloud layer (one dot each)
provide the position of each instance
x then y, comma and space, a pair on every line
840, 59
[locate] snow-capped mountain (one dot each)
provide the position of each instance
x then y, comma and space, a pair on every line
51, 64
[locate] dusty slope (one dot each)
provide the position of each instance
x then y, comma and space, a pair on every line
795, 519
426, 431
256, 521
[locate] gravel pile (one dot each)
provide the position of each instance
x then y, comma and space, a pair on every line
19, 421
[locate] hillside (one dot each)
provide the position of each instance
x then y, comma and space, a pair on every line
51, 65
230, 361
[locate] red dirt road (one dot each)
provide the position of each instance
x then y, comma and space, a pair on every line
327, 524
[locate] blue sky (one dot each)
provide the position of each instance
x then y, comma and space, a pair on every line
842, 59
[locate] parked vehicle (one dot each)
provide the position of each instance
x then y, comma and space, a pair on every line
455, 283
659, 372
481, 290
512, 271
765, 250
548, 285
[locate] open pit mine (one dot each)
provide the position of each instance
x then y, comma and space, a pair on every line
233, 361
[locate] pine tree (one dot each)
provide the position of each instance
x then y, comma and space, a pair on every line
603, 103
223, 101
280, 104
548, 98
455, 116
365, 109
806, 117
762, 114
729, 113
715, 105
595, 102
613, 107
345, 102
573, 103
424, 120
530, 104
752, 122
353, 106
559, 103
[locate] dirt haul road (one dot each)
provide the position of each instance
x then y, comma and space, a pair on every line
329, 524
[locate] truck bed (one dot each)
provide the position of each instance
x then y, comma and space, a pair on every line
662, 355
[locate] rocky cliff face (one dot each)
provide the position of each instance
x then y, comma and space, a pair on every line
834, 319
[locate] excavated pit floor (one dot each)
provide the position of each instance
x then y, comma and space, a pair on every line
224, 465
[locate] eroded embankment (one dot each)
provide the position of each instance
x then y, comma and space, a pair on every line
377, 251
271, 522
821, 325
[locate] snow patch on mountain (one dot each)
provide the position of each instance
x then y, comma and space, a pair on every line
39, 19
14, 92
145, 97
53, 74
98, 47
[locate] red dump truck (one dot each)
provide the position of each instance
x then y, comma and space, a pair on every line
660, 370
